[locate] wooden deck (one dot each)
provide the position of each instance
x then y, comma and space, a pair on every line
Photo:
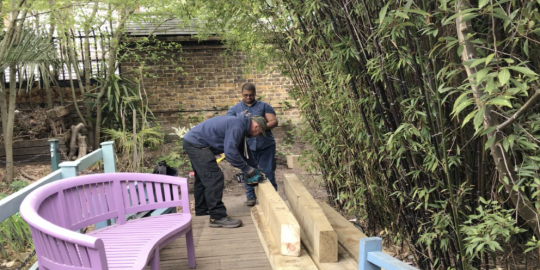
220, 248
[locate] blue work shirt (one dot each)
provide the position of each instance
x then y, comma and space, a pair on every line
257, 108
225, 134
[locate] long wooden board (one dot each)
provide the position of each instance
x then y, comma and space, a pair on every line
281, 222
277, 260
320, 236
31, 143
348, 235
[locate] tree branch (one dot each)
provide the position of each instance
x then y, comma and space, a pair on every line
525, 107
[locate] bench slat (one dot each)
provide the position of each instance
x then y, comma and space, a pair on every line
150, 192
129, 245
133, 195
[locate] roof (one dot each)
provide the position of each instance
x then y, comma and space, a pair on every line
159, 27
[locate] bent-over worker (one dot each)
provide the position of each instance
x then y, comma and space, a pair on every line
221, 134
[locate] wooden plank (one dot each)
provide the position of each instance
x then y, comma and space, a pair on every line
32, 143
348, 235
10, 205
282, 223
277, 260
42, 149
292, 161
60, 111
320, 235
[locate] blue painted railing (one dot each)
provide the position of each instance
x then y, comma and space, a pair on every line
371, 257
10, 205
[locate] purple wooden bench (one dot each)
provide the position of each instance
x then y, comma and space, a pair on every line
57, 210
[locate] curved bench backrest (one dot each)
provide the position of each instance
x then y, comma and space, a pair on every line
75, 203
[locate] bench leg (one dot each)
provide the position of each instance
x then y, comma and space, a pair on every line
154, 263
190, 249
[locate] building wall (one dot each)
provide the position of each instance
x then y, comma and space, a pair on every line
208, 85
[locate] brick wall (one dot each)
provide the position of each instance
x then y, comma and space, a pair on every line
209, 84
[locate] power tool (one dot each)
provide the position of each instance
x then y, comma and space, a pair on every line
253, 181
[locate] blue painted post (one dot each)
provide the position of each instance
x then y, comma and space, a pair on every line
55, 154
109, 164
69, 169
369, 244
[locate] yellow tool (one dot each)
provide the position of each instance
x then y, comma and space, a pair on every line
220, 158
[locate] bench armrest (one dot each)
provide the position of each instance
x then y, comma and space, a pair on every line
30, 215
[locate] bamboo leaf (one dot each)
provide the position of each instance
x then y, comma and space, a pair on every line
469, 117
482, 3
500, 101
481, 74
479, 119
477, 62
504, 76
382, 13
523, 70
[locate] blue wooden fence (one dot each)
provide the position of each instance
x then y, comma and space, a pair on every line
371, 257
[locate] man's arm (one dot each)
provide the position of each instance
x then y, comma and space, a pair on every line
231, 145
271, 120
231, 111
270, 115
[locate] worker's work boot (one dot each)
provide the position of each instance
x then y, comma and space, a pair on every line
226, 222
251, 202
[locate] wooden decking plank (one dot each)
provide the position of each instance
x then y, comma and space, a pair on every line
219, 248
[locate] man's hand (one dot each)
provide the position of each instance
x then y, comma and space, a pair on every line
252, 172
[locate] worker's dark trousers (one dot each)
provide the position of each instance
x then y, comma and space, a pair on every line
209, 181
266, 158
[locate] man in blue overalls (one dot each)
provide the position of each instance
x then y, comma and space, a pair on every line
263, 148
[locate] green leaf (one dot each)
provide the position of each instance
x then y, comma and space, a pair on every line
526, 46
524, 70
477, 62
489, 58
469, 117
479, 119
500, 101
482, 3
462, 98
481, 74
504, 76
382, 13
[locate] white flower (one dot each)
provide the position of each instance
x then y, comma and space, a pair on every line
182, 131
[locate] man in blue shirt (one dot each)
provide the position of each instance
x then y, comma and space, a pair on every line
221, 134
263, 148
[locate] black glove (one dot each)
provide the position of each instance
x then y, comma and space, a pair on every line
252, 172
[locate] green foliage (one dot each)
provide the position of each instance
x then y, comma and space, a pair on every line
175, 159
402, 127
15, 237
17, 185
121, 98
492, 224
150, 137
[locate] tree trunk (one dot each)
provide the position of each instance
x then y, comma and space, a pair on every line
73, 142
48, 94
524, 207
110, 72
8, 121
81, 140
